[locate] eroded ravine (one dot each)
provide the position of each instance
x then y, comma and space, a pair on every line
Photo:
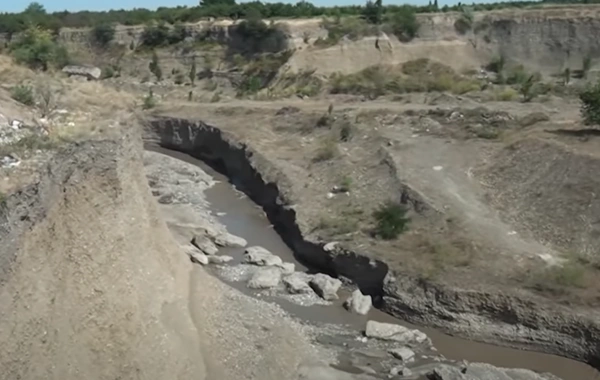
243, 218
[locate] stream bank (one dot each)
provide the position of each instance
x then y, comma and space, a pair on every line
497, 319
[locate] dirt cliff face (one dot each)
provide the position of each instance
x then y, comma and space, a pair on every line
93, 285
88, 285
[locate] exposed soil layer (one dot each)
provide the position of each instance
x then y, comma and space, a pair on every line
515, 320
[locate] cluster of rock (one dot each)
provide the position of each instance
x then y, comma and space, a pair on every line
205, 246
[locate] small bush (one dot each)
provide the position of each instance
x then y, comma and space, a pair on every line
179, 79
346, 131
149, 101
390, 220
23, 94
590, 104
326, 151
155, 35
108, 72
506, 95
558, 279
154, 67
102, 34
345, 184
465, 22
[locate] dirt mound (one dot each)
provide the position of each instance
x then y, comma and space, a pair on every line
94, 286
550, 189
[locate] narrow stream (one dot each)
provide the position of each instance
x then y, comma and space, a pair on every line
244, 218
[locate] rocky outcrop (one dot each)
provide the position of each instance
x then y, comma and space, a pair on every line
325, 286
358, 303
513, 320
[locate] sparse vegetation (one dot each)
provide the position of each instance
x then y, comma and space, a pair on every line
465, 22
154, 66
102, 34
259, 73
390, 220
415, 76
192, 74
590, 104
326, 151
216, 97
403, 23
350, 27
527, 89
559, 278
23, 94
497, 64
586, 65
149, 101
37, 49
345, 184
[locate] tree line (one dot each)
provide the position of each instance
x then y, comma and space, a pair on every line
36, 14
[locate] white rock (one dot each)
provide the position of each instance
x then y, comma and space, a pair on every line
325, 286
287, 268
205, 245
230, 240
265, 278
195, 254
395, 371
358, 303
297, 283
403, 353
330, 246
219, 259
398, 333
260, 256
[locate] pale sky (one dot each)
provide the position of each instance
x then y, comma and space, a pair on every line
78, 5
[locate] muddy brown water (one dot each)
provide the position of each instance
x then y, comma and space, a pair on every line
244, 218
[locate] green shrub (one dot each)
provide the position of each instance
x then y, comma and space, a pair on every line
102, 34
465, 22
23, 94
326, 151
155, 35
506, 95
372, 12
404, 24
179, 79
149, 101
590, 104
38, 50
108, 72
390, 219
154, 66
528, 90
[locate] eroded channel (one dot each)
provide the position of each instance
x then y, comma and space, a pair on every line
243, 218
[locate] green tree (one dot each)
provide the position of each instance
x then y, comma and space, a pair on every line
590, 104
35, 8
210, 3
37, 49
154, 66
404, 23
103, 34
372, 12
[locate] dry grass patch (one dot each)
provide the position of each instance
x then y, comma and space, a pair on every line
420, 75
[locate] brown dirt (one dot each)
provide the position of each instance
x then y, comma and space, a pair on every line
433, 158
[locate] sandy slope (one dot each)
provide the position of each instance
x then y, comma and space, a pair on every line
92, 285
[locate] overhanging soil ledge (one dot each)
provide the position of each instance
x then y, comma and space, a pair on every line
515, 320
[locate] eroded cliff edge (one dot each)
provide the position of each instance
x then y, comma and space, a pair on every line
514, 319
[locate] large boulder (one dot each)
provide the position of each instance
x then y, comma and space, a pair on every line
265, 278
483, 371
325, 286
297, 283
196, 255
261, 256
358, 303
403, 353
398, 333
89, 72
205, 245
